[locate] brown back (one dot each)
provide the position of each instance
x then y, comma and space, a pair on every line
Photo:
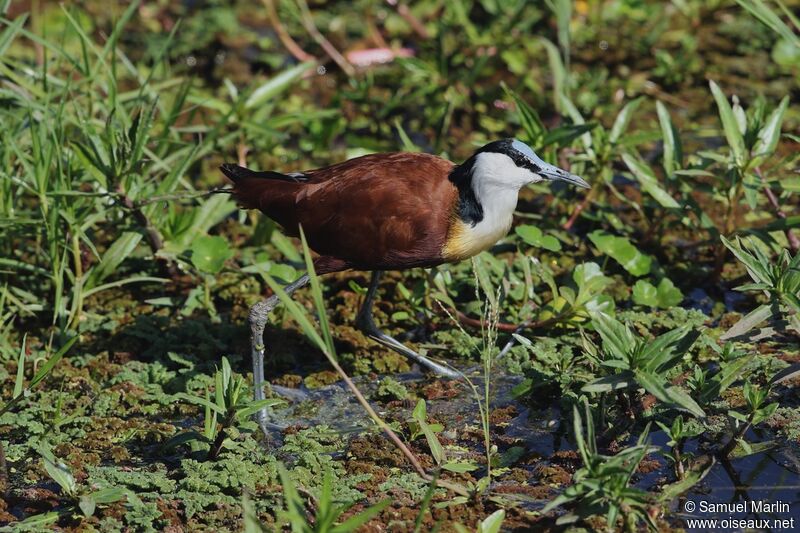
380, 211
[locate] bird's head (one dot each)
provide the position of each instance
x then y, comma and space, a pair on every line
510, 163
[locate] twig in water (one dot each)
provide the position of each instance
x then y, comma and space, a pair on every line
286, 39
311, 28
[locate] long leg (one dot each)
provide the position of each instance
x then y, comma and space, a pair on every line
366, 323
258, 320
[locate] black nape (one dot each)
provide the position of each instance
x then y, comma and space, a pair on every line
469, 209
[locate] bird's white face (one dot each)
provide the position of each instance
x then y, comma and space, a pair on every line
499, 170
513, 164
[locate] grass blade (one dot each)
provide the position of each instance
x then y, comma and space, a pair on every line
729, 125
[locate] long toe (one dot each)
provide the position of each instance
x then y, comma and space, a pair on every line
402, 349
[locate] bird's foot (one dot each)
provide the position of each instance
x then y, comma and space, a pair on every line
390, 342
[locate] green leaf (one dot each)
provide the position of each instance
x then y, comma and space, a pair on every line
113, 257
256, 406
609, 383
758, 270
87, 505
534, 237
770, 134
770, 18
564, 135
673, 155
617, 338
622, 120
668, 294
664, 296
183, 438
644, 293
622, 251
210, 253
358, 520
460, 468
656, 386
528, 117
419, 415
58, 471
48, 366
729, 125
644, 174
277, 84
493, 522
201, 401
319, 299
19, 382
108, 495
749, 321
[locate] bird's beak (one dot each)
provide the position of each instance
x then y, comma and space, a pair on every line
554, 173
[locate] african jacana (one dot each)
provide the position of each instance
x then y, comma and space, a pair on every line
391, 211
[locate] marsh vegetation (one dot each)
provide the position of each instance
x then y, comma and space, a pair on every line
625, 350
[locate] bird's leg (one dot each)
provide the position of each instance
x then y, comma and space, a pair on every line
366, 324
258, 321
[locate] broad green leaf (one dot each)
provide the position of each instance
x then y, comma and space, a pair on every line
210, 253
622, 251
87, 505
662, 353
108, 495
577, 119
729, 125
644, 293
319, 299
256, 406
484, 280
666, 295
534, 237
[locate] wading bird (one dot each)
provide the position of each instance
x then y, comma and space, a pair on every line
391, 211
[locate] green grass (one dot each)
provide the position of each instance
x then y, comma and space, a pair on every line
125, 285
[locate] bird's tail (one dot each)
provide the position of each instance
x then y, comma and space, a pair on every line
236, 173
249, 186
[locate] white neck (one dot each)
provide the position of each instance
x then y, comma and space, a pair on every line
496, 182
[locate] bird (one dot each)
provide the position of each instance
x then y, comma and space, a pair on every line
390, 211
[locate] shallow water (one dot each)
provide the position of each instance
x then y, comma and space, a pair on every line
769, 477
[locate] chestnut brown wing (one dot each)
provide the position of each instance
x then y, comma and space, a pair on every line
381, 211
